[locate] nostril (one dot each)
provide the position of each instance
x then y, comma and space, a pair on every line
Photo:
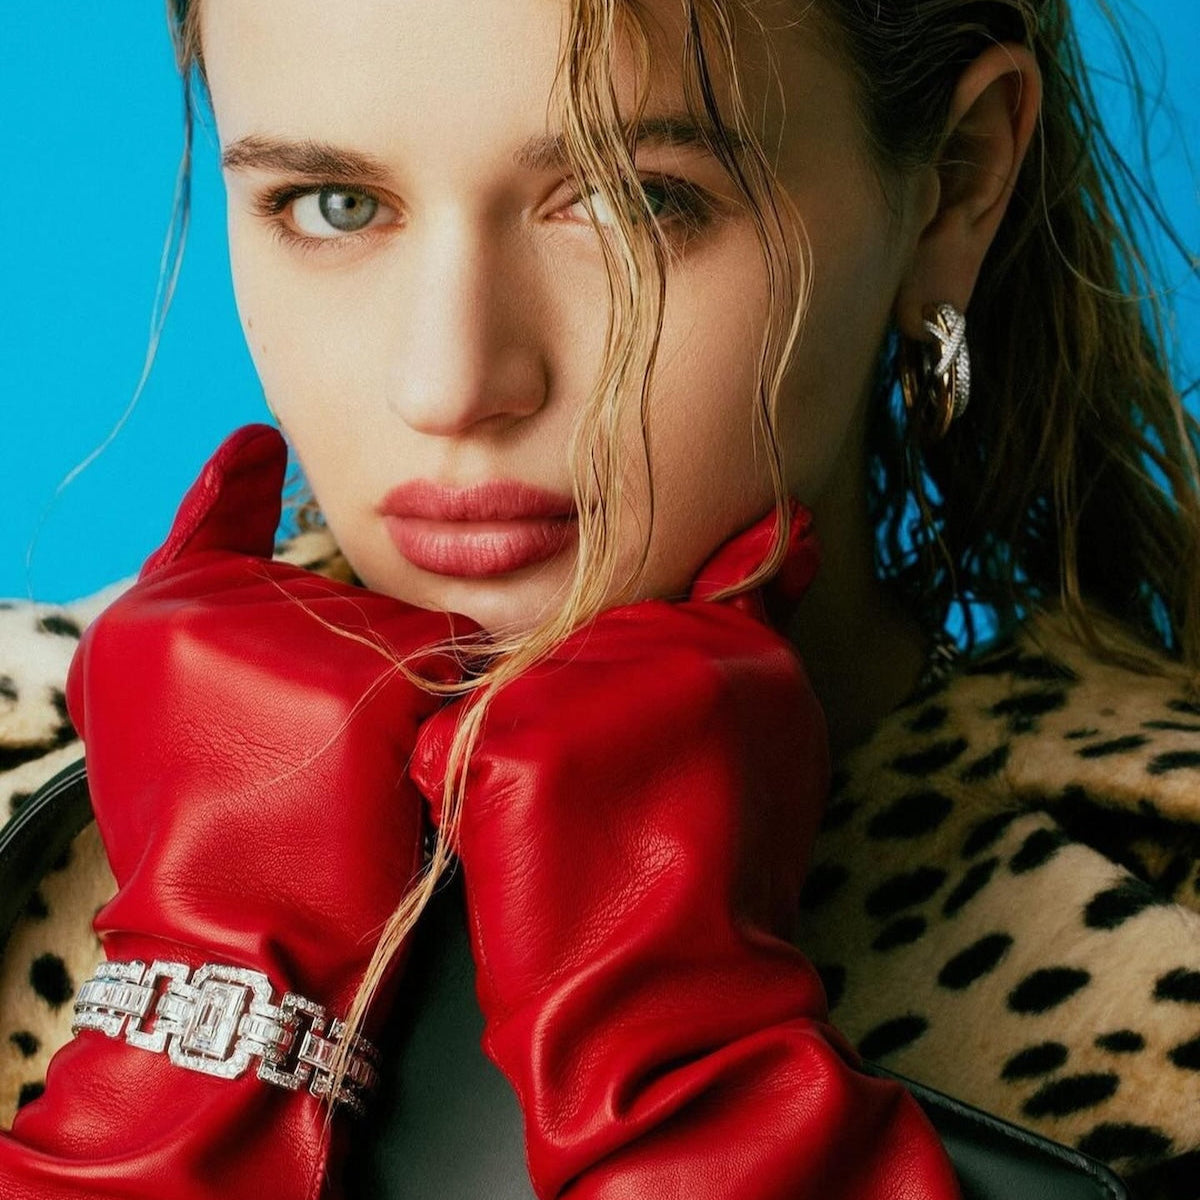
441, 412
448, 387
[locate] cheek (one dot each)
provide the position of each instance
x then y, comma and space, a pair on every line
703, 432
710, 471
268, 316
833, 369
308, 353
285, 308
308, 384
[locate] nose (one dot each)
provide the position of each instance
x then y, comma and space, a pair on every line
470, 358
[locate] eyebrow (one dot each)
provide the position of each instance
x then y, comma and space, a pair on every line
315, 159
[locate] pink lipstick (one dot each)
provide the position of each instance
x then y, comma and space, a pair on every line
475, 532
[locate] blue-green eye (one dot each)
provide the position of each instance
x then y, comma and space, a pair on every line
343, 210
327, 217
672, 200
328, 213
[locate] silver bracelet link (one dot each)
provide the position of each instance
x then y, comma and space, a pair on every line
217, 1018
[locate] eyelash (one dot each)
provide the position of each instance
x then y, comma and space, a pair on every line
694, 211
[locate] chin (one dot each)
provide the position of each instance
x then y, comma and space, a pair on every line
502, 612
504, 606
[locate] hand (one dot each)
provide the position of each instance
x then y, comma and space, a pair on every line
246, 761
637, 819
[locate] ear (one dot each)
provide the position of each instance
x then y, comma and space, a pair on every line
988, 130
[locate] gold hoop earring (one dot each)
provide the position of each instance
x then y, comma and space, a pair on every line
937, 388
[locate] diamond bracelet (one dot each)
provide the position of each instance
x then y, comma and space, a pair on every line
216, 1018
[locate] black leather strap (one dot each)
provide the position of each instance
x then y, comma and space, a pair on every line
447, 1123
996, 1158
37, 835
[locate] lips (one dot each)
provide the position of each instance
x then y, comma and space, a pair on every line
485, 530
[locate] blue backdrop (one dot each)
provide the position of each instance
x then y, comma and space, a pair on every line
90, 140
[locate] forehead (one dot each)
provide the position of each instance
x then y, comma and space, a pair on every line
478, 74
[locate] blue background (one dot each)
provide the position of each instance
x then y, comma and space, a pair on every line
90, 142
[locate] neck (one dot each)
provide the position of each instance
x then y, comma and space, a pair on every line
863, 652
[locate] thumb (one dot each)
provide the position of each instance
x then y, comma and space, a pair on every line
735, 561
235, 501
428, 765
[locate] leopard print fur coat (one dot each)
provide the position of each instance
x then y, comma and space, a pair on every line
1003, 901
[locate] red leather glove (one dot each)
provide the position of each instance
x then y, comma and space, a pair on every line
247, 769
638, 815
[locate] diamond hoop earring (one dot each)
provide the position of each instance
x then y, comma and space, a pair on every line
937, 388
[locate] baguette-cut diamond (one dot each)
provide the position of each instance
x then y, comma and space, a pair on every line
214, 1018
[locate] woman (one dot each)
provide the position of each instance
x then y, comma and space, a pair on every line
820, 190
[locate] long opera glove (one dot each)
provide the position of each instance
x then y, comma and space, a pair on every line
638, 816
246, 763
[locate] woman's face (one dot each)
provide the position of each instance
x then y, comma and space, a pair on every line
443, 322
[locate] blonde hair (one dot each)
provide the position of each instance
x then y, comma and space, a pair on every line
1077, 392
